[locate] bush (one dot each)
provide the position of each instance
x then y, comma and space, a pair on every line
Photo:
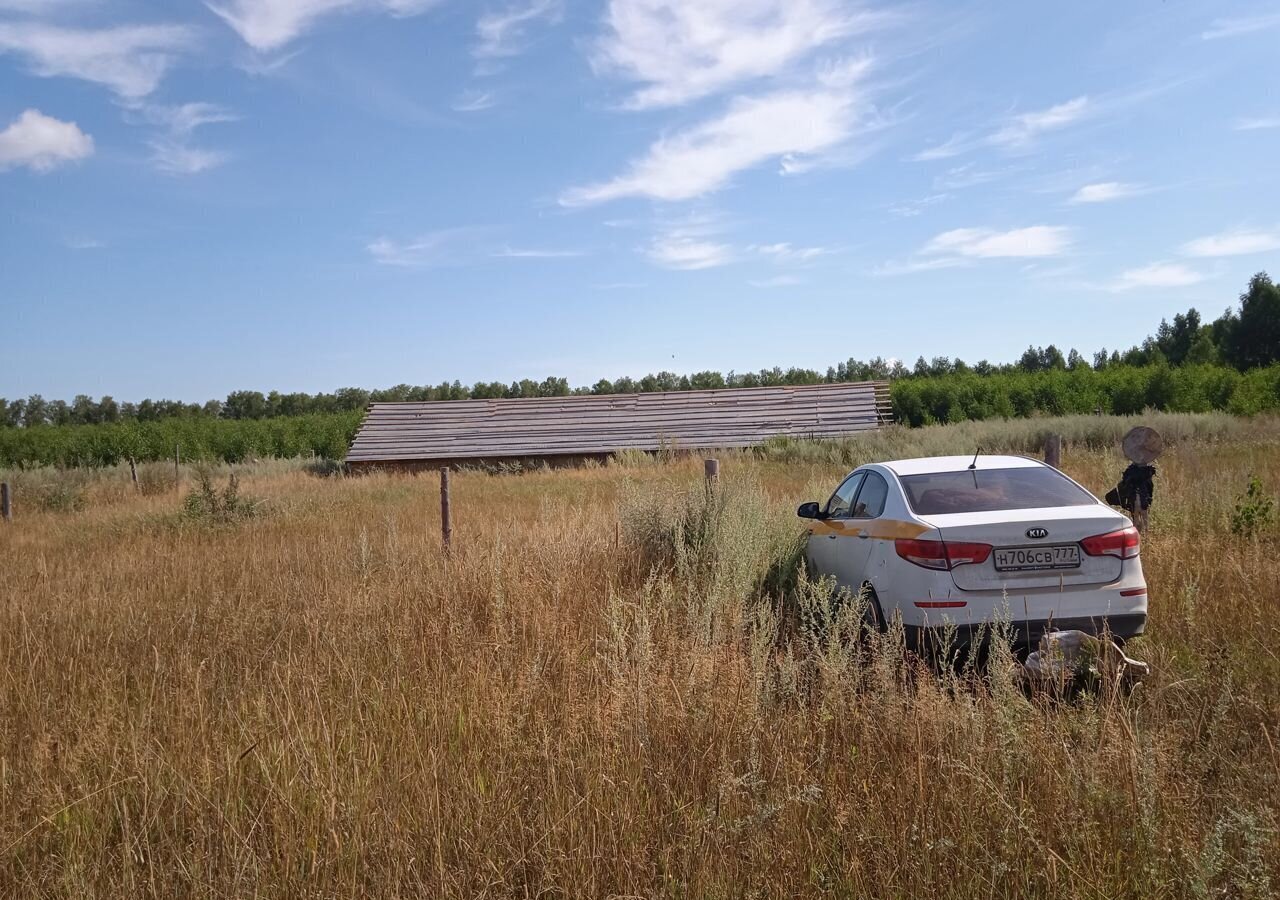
49, 490
321, 467
58, 496
155, 479
214, 440
1125, 390
725, 545
1255, 512
917, 401
207, 505
630, 458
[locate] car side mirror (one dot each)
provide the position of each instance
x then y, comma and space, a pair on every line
809, 510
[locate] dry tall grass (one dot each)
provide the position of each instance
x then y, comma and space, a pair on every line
596, 696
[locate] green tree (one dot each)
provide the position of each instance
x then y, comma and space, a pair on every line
83, 410
706, 380
244, 405
1203, 350
554, 387
36, 411
1175, 341
1252, 338
108, 409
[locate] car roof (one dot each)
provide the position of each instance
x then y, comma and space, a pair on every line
929, 464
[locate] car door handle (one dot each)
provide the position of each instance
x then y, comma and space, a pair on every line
863, 535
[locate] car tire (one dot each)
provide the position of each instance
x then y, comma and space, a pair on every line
875, 614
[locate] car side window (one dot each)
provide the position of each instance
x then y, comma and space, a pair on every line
870, 502
840, 505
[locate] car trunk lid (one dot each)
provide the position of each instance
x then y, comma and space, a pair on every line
1040, 532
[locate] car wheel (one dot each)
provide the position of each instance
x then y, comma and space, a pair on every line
874, 615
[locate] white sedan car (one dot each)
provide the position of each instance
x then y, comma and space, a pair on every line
969, 539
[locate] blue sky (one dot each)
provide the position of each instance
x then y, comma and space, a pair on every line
306, 194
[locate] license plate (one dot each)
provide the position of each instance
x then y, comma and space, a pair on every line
1028, 559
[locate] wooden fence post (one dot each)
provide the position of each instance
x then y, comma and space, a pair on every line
6, 502
133, 472
446, 516
712, 469
1053, 450
177, 458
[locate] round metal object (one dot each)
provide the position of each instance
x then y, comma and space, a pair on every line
1142, 445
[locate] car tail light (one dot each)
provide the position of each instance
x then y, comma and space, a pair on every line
1123, 544
941, 555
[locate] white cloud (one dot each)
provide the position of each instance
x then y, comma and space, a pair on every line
776, 281
1025, 128
1019, 132
447, 246
1104, 192
524, 253
1157, 275
502, 34
172, 150
261, 65
42, 143
1257, 124
188, 117
130, 59
785, 253
953, 146
986, 243
752, 131
911, 208
270, 24
690, 242
681, 50
678, 251
393, 253
966, 176
177, 158
1238, 242
910, 267
474, 101
460, 246
1224, 28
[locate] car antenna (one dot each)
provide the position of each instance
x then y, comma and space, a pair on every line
974, 464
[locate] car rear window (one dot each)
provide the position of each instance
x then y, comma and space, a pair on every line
988, 490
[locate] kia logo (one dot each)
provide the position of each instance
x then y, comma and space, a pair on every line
1037, 533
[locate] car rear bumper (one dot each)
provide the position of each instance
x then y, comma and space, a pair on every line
1027, 633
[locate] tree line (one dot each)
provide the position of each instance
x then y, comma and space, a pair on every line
1242, 338
1119, 388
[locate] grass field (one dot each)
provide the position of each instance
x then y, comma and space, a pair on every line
604, 692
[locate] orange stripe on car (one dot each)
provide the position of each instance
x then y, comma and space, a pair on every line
883, 530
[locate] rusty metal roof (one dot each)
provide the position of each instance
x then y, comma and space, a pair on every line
544, 427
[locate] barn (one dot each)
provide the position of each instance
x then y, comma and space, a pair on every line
564, 430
